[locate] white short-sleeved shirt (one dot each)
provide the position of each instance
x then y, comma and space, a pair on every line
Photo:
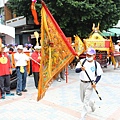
90, 69
21, 59
117, 48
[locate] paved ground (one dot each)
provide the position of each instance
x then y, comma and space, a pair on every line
62, 101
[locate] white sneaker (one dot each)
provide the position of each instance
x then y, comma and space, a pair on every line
82, 119
93, 108
92, 105
59, 80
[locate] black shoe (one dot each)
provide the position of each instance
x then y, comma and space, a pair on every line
9, 94
63, 78
24, 90
19, 93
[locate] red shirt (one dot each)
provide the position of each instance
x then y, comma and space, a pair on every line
35, 66
4, 67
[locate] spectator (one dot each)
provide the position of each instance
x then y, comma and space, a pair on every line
10, 54
36, 56
117, 54
21, 63
61, 76
5, 71
26, 48
31, 50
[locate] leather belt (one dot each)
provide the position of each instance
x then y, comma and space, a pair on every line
85, 81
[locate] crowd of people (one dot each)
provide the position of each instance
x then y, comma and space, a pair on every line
21, 60
26, 47
90, 71
87, 82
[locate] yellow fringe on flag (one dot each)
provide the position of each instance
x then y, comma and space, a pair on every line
112, 50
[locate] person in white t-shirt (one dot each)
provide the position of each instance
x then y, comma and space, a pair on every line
94, 71
117, 54
21, 63
25, 49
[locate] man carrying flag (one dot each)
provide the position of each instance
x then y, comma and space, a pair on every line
89, 70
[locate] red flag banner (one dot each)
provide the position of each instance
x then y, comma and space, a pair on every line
56, 51
34, 13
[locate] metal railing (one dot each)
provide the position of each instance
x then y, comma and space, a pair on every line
17, 22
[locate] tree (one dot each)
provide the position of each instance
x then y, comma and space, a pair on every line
74, 16
22, 7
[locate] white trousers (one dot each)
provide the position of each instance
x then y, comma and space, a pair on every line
85, 94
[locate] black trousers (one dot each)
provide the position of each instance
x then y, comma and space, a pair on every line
5, 84
36, 78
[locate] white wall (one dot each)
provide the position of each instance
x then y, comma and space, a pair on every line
2, 2
9, 40
7, 30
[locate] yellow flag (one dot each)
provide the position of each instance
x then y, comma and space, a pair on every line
112, 51
79, 45
56, 51
0, 44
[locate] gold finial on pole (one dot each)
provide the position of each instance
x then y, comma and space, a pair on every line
93, 27
36, 34
98, 26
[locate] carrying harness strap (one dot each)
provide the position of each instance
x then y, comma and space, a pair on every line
95, 66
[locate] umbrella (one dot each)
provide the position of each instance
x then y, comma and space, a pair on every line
114, 30
105, 33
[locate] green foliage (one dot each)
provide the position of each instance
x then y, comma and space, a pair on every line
22, 7
75, 16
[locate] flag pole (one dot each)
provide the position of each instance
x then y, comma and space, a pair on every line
66, 73
34, 60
